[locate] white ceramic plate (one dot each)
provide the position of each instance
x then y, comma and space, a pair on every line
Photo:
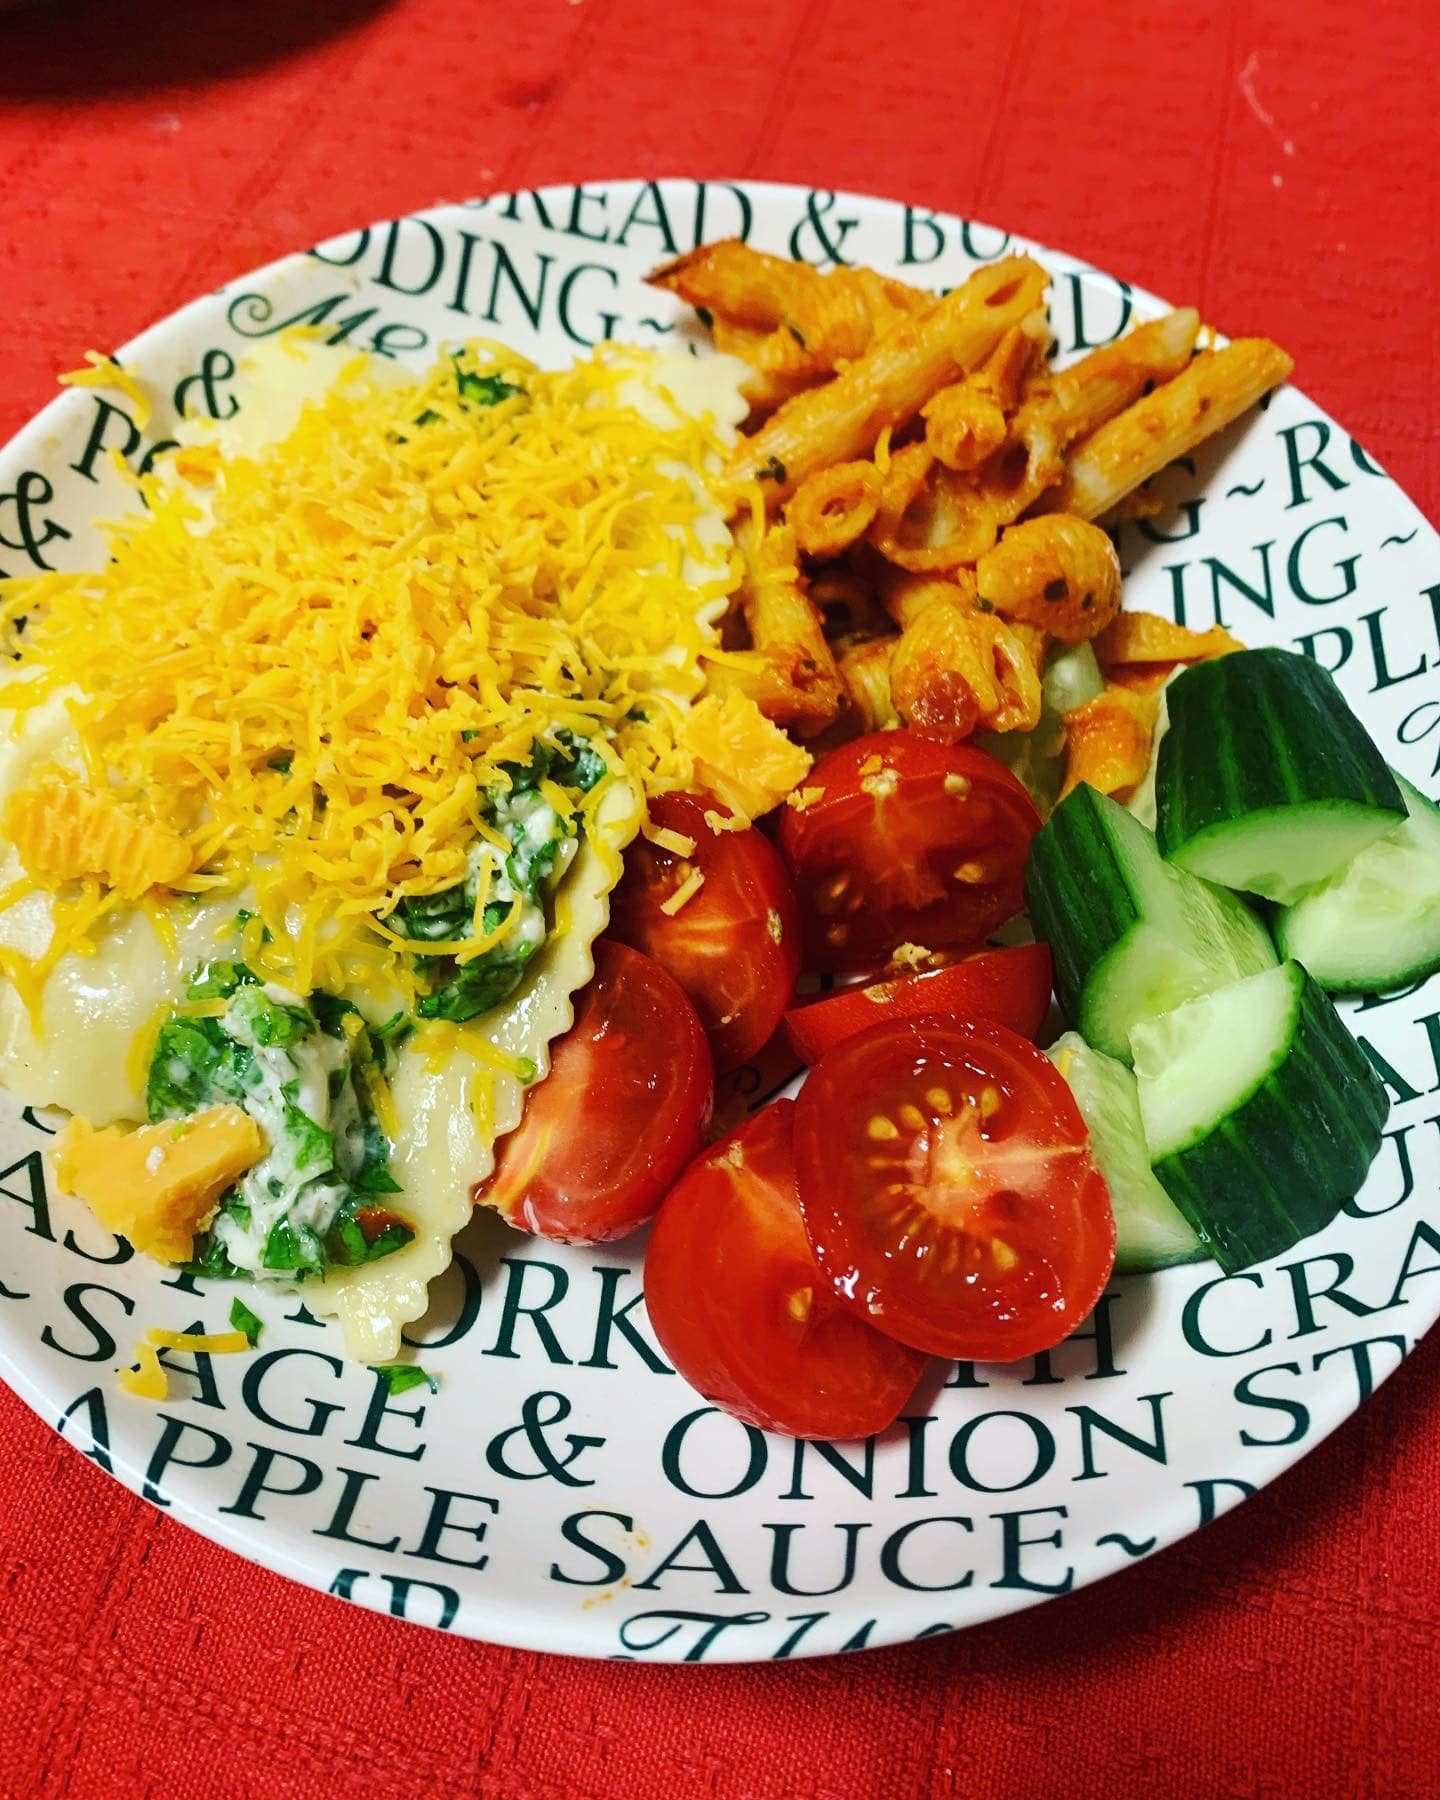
563, 1490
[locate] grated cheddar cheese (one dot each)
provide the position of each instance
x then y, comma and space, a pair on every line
309, 665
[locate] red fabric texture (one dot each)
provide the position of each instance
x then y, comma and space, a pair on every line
1272, 162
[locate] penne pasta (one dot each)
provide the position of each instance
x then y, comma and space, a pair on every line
751, 287
738, 284
1146, 637
963, 426
865, 670
792, 324
1207, 396
778, 367
1080, 399
931, 520
889, 384
833, 508
957, 671
906, 596
917, 459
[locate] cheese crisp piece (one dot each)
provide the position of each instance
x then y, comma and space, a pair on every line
741, 756
64, 830
156, 1186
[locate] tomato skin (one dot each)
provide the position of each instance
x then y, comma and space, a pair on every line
948, 1191
741, 1310
734, 946
909, 841
1011, 986
622, 1111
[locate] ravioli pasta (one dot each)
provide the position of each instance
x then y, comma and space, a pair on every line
375, 1136
450, 1116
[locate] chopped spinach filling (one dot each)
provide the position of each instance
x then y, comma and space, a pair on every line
474, 390
305, 1070
540, 842
304, 1073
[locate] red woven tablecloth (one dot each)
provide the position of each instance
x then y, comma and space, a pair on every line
1271, 160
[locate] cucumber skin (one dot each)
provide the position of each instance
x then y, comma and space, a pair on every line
1282, 1164
1064, 883
1236, 726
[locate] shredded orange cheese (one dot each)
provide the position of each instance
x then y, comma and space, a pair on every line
104, 371
311, 679
147, 1380
802, 798
683, 894
679, 843
212, 1343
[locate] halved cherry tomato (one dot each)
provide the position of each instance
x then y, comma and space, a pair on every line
907, 841
948, 1191
742, 1311
734, 945
1011, 986
623, 1109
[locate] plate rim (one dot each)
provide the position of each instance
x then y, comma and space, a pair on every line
511, 1625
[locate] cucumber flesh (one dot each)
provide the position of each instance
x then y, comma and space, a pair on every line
1132, 935
1266, 781
1283, 852
1262, 1113
1150, 1230
1376, 924
1198, 1064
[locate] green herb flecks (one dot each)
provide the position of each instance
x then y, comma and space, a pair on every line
478, 986
242, 1319
484, 390
541, 841
399, 1378
474, 390
219, 980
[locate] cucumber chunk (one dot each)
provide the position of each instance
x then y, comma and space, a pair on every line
1262, 1113
1376, 924
1133, 936
1266, 781
1150, 1230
